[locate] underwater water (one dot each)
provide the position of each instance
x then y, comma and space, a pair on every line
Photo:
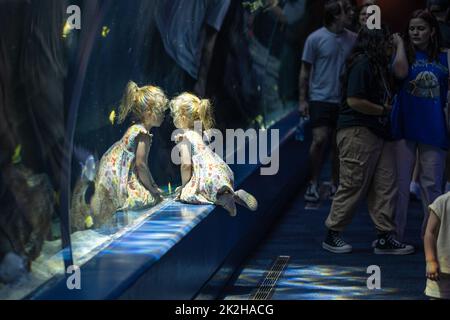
63, 103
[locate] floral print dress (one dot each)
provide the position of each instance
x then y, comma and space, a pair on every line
117, 173
210, 174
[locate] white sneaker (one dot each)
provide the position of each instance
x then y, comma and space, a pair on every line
312, 193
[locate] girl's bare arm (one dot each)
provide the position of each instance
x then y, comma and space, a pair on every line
366, 107
186, 163
430, 240
143, 171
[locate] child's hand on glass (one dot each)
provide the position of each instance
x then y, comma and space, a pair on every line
157, 193
433, 270
159, 190
178, 192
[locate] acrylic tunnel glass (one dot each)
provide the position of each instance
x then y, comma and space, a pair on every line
33, 70
64, 91
251, 80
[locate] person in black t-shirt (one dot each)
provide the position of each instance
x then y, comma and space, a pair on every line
366, 154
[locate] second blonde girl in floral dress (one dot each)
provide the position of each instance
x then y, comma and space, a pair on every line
206, 178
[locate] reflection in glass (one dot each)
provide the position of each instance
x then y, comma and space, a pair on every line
33, 70
123, 181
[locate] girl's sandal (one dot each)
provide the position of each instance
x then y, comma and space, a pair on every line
230, 206
245, 199
227, 202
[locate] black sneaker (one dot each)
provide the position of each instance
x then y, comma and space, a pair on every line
335, 244
387, 244
312, 193
333, 190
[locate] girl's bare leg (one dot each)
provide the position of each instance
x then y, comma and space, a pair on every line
226, 200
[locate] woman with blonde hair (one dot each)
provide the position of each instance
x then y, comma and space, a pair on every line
124, 181
206, 178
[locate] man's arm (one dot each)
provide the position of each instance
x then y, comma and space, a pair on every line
366, 107
304, 77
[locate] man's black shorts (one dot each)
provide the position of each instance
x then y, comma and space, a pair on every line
323, 114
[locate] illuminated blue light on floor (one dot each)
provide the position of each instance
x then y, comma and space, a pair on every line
306, 282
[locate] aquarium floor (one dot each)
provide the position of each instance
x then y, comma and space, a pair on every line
315, 274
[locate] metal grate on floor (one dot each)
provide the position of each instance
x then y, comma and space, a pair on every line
267, 286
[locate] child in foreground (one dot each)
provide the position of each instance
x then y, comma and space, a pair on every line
437, 249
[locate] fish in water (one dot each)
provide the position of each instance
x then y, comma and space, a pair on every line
87, 162
254, 5
88, 222
66, 30
105, 31
88, 168
17, 158
112, 117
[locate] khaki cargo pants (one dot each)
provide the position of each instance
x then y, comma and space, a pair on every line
367, 170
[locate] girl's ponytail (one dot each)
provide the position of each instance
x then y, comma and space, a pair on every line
205, 113
128, 101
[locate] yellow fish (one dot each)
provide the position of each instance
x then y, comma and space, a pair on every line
17, 158
88, 222
112, 117
66, 30
253, 6
260, 121
105, 31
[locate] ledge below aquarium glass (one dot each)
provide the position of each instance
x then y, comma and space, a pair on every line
85, 245
49, 264
88, 243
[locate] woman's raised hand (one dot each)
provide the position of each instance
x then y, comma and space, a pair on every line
397, 39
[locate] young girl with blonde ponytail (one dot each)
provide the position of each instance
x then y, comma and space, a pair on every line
206, 178
124, 181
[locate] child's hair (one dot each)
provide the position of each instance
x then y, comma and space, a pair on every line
373, 45
194, 109
136, 101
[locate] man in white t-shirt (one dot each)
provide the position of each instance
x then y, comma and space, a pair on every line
324, 56
188, 31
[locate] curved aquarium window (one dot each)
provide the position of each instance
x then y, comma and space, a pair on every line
33, 70
85, 126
